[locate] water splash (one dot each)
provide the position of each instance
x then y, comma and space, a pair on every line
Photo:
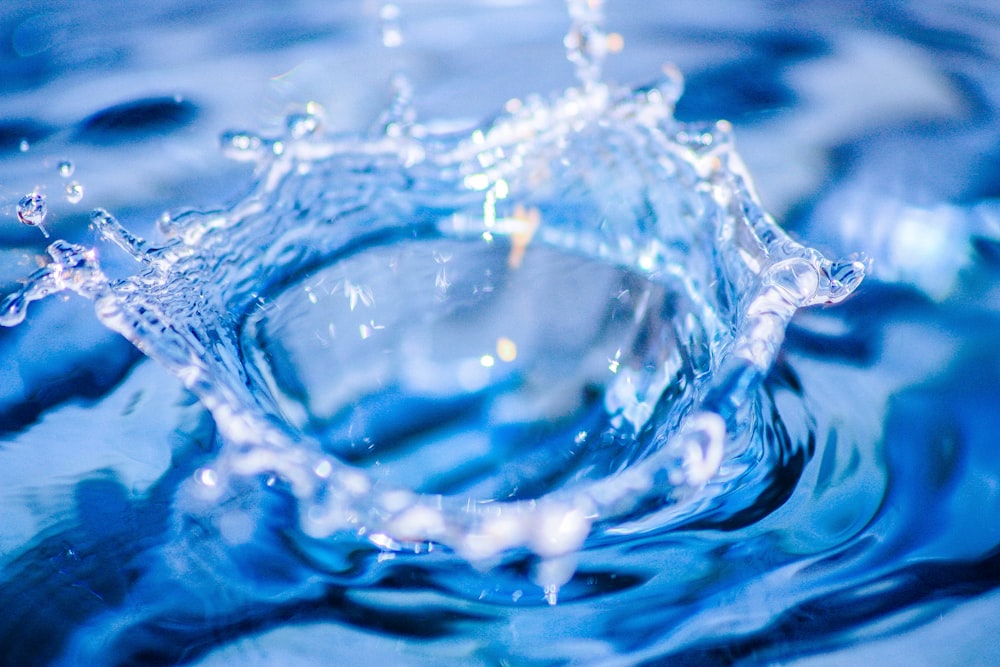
73, 267
584, 287
586, 42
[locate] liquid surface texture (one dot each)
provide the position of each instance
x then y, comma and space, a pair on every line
546, 388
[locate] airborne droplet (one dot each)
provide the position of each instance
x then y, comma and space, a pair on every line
32, 209
392, 34
74, 192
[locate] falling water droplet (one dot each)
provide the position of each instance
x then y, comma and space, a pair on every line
392, 34
398, 120
66, 168
306, 123
586, 44
25, 146
32, 209
74, 192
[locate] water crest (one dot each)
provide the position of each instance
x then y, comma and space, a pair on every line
496, 346
488, 341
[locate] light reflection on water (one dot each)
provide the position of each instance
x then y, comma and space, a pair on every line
867, 128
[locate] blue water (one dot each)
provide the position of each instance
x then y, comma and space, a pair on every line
357, 401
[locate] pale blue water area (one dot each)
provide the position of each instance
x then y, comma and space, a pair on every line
369, 333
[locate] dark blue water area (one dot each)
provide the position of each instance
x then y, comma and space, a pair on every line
872, 538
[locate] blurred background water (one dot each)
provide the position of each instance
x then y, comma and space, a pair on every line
867, 126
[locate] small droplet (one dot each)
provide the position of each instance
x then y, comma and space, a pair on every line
66, 168
586, 44
74, 192
32, 209
392, 34
25, 146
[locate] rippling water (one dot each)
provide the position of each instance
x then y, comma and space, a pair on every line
462, 360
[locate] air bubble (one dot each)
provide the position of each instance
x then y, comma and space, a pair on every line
66, 168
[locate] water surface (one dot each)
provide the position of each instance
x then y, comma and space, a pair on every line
384, 407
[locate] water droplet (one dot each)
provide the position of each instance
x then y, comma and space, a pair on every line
398, 120
25, 146
586, 44
392, 34
32, 209
74, 192
66, 168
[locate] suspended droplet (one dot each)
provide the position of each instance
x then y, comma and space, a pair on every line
392, 34
32, 209
66, 168
25, 146
74, 192
399, 119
